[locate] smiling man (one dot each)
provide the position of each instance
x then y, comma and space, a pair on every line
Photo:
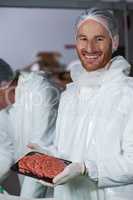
94, 125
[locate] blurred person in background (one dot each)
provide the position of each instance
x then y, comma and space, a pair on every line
6, 148
30, 103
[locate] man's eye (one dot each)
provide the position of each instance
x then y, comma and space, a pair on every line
99, 39
82, 39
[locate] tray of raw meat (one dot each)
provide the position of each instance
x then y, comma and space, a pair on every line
40, 166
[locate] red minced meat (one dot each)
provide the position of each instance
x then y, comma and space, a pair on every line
41, 165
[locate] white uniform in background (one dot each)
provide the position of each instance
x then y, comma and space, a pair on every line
33, 115
95, 125
32, 120
6, 148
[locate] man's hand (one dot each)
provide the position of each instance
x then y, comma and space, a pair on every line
71, 171
33, 146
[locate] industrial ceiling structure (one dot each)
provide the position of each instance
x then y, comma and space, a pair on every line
67, 4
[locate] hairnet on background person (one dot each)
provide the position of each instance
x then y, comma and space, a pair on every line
6, 72
104, 17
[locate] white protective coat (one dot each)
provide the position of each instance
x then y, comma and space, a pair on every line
32, 117
95, 125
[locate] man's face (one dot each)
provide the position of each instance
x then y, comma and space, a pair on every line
7, 96
93, 45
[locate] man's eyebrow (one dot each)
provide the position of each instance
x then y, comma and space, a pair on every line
102, 36
81, 35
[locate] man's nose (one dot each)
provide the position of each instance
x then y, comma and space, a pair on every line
90, 46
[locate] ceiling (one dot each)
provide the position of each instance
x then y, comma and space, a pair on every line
67, 4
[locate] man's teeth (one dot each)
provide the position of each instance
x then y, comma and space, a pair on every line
91, 57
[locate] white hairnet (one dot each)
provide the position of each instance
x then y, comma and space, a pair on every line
104, 17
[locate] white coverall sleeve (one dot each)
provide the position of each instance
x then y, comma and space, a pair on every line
115, 170
45, 112
6, 149
44, 105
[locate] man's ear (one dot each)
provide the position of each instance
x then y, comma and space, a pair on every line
115, 43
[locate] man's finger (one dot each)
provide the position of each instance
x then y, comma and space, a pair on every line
60, 176
46, 183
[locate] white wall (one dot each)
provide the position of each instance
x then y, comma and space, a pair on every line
24, 32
